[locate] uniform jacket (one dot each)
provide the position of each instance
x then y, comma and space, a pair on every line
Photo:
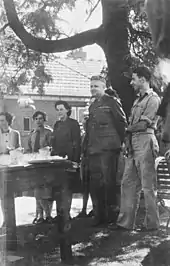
14, 140
45, 138
66, 139
105, 129
145, 109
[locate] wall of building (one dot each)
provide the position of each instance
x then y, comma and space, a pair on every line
23, 116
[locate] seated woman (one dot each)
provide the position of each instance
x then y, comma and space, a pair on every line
66, 141
9, 139
40, 137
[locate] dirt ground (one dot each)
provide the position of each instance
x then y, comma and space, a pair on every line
91, 246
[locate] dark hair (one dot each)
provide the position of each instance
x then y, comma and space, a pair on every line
66, 105
99, 77
143, 72
9, 117
39, 113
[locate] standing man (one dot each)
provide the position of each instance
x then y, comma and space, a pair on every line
105, 130
40, 137
142, 149
9, 140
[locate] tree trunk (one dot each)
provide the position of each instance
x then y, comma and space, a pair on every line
158, 13
115, 46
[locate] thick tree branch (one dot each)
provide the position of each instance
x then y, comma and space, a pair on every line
48, 46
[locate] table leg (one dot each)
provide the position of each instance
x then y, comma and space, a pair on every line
64, 225
9, 217
65, 245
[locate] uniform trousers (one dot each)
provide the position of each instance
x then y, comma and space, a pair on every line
140, 174
103, 190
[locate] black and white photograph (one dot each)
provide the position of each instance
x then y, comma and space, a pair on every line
84, 132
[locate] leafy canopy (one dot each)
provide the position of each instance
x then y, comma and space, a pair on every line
42, 19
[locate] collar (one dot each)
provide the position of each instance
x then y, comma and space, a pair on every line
149, 91
62, 121
39, 129
7, 131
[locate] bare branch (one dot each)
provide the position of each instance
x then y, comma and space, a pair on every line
48, 46
4, 27
92, 10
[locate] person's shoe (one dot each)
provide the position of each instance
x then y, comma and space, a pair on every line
145, 229
99, 222
82, 215
40, 221
117, 227
90, 214
55, 220
49, 220
34, 221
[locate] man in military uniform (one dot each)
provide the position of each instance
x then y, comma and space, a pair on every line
105, 131
142, 149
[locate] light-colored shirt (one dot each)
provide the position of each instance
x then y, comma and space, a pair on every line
145, 109
45, 138
9, 139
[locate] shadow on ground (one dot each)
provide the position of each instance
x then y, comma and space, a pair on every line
159, 255
92, 246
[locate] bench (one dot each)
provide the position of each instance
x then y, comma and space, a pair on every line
163, 185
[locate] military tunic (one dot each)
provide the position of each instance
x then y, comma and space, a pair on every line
104, 135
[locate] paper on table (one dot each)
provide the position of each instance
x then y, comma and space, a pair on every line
13, 258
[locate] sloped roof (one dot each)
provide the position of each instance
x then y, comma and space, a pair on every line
70, 77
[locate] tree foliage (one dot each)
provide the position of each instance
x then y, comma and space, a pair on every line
41, 20
18, 64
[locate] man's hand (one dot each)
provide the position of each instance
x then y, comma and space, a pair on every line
127, 146
75, 165
167, 155
138, 127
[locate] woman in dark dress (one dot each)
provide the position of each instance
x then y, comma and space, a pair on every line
66, 141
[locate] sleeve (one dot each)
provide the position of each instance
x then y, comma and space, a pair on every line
119, 118
52, 140
151, 110
29, 146
49, 138
76, 141
19, 139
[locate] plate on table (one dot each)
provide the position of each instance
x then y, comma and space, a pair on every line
58, 158
39, 161
51, 160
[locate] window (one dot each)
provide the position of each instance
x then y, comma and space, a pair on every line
26, 124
